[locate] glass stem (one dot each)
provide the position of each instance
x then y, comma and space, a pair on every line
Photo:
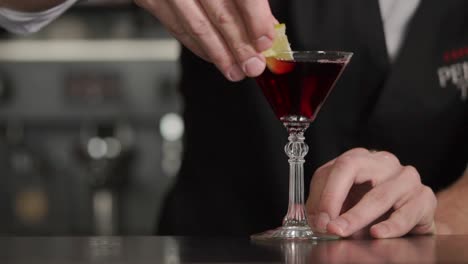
296, 149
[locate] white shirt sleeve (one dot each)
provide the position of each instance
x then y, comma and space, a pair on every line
30, 22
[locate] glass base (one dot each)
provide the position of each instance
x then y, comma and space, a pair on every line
293, 233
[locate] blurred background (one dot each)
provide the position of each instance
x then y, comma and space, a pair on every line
90, 130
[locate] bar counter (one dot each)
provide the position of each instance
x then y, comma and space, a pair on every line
155, 250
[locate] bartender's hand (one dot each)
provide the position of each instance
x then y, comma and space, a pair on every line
364, 191
229, 33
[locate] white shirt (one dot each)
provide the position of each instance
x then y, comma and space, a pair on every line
396, 15
30, 22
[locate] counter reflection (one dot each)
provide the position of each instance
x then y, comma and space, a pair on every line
400, 250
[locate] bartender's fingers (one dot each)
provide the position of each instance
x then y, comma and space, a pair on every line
391, 194
259, 22
319, 179
199, 27
162, 10
227, 19
353, 167
416, 217
356, 166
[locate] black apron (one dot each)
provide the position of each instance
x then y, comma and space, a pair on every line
234, 177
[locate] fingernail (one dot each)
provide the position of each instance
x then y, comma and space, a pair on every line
263, 43
253, 67
235, 74
322, 221
381, 230
341, 223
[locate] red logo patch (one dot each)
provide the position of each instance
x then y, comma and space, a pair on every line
455, 54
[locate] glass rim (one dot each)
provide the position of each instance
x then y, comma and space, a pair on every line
319, 55
321, 52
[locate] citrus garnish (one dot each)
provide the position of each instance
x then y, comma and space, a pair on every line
279, 51
280, 44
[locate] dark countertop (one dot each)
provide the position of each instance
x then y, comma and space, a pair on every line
155, 250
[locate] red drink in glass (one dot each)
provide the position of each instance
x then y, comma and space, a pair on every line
296, 84
299, 87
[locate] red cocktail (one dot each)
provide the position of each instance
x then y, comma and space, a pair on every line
296, 88
299, 87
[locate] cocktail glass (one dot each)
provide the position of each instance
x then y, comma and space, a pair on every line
296, 88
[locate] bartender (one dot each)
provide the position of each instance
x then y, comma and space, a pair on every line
390, 143
389, 149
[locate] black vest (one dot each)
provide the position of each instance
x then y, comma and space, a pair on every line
234, 177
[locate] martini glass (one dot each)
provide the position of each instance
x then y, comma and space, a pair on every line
296, 88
